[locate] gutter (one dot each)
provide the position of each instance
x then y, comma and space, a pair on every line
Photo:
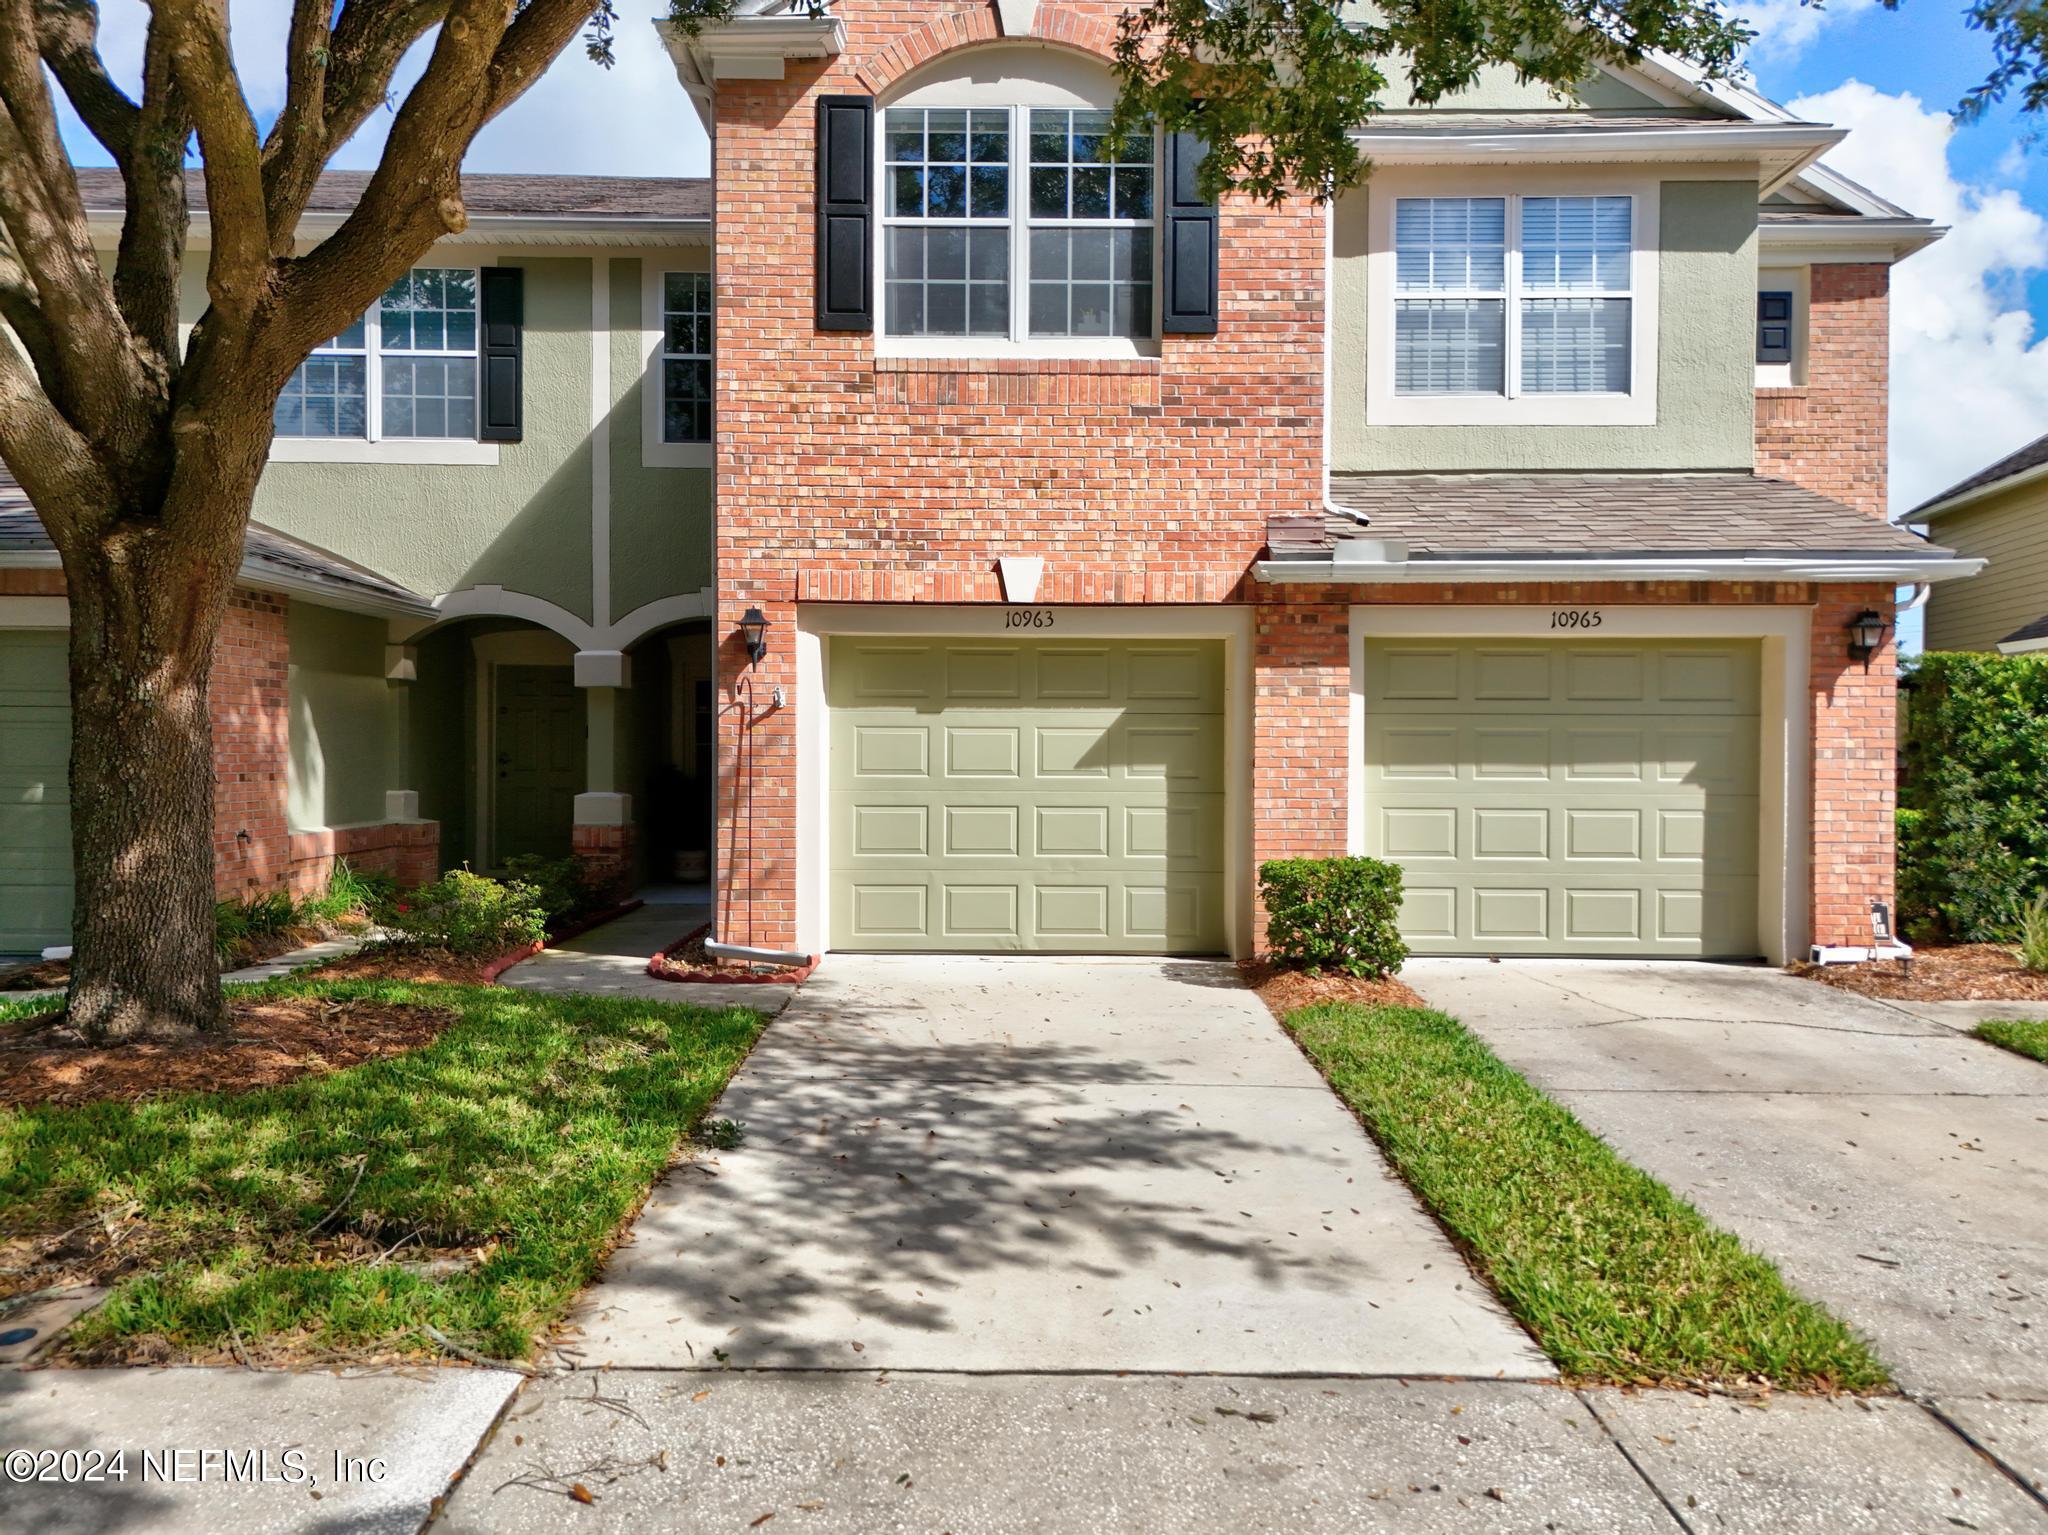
1385, 562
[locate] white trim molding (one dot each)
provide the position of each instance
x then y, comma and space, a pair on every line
1784, 819
1366, 570
389, 450
818, 622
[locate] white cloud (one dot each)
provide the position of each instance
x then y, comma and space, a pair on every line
1784, 28
1969, 375
631, 120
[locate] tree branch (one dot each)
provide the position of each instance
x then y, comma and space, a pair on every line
338, 71
149, 267
68, 34
22, 314
203, 67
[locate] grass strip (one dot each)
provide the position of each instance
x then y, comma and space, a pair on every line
524, 1134
2029, 1038
1616, 1277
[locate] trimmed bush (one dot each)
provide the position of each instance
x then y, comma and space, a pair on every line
1973, 798
565, 886
1334, 914
467, 913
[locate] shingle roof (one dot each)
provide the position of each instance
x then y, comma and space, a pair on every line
2035, 632
1646, 516
265, 551
485, 195
2032, 456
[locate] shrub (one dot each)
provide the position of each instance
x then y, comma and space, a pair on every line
564, 884
235, 923
1973, 820
350, 894
467, 913
1334, 914
2032, 922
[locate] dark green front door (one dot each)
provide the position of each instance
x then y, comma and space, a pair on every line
539, 765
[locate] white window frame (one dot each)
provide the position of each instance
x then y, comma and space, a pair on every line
1385, 407
1019, 342
375, 447
1797, 281
655, 453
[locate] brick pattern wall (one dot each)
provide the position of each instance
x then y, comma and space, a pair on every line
1829, 434
1301, 721
606, 853
841, 477
408, 851
1855, 767
251, 746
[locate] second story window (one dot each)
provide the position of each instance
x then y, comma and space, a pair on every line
686, 357
1014, 224
407, 369
1513, 296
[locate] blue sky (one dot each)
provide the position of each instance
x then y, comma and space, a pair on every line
1970, 375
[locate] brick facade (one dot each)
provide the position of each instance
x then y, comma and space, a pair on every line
251, 708
1855, 767
1830, 433
842, 476
848, 477
407, 851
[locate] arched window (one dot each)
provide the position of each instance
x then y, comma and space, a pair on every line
1010, 222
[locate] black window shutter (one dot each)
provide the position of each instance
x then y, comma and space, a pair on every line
1188, 266
846, 212
502, 415
1774, 327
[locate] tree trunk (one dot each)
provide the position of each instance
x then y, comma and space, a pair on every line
145, 610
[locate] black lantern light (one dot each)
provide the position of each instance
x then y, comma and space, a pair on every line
1866, 634
754, 630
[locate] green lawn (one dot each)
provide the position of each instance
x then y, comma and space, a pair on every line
530, 1129
2024, 1038
1617, 1278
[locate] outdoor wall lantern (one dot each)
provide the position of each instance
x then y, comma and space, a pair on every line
754, 630
1866, 634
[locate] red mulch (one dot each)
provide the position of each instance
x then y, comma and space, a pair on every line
251, 951
688, 960
424, 966
265, 1042
1963, 972
41, 976
1284, 990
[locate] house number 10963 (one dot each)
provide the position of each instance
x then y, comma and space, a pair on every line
1575, 618
1028, 618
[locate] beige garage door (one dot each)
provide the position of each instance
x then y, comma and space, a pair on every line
1026, 794
1594, 798
35, 791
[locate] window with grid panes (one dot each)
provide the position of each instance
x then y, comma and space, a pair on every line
407, 369
686, 357
1019, 223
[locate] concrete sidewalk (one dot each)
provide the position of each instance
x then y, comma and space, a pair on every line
1041, 1165
611, 961
1895, 1170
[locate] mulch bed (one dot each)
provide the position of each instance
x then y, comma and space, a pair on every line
429, 967
41, 976
1284, 990
1963, 972
688, 960
251, 951
265, 1042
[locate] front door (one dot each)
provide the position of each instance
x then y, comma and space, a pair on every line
539, 761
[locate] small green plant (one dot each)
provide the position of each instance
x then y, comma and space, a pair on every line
1334, 914
564, 884
468, 913
2031, 918
236, 924
722, 1134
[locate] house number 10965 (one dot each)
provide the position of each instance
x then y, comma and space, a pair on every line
1028, 618
1575, 618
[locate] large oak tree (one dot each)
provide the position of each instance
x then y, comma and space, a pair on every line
142, 454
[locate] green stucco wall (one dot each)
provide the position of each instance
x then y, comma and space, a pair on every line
523, 523
1706, 294
661, 518
343, 719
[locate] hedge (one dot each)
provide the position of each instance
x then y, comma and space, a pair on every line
1334, 914
1973, 797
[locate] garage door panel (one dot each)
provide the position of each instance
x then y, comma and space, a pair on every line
1618, 815
1086, 812
35, 791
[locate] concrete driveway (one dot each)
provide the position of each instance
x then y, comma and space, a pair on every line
1896, 1170
1041, 1165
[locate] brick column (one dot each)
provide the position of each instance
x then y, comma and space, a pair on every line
1301, 701
251, 719
1855, 771
1829, 433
